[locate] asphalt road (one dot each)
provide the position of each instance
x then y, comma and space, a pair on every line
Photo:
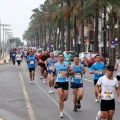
20, 100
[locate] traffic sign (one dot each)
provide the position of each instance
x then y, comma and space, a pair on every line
112, 42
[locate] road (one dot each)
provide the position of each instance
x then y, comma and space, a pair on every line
20, 100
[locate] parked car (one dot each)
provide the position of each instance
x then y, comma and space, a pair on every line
90, 59
82, 55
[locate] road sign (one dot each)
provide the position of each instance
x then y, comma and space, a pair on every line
112, 42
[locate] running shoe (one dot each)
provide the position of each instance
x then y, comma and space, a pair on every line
50, 91
40, 77
96, 100
33, 81
44, 81
78, 104
98, 116
75, 108
61, 115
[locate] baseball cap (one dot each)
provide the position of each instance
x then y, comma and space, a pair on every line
110, 67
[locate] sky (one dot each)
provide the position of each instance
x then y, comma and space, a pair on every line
17, 13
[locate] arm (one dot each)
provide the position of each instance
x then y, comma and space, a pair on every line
83, 71
116, 65
92, 71
71, 71
97, 90
46, 64
118, 92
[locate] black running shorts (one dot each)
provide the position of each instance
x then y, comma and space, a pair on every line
107, 105
118, 78
31, 69
75, 85
63, 85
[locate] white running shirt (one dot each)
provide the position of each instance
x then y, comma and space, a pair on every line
18, 57
107, 87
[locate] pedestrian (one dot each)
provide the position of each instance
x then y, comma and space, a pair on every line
77, 82
62, 69
49, 64
98, 69
108, 84
31, 61
18, 58
117, 67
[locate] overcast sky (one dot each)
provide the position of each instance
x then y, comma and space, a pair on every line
17, 13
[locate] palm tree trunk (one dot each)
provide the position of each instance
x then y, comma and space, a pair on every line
68, 29
119, 38
82, 47
96, 48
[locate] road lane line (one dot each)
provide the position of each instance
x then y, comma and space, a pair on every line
49, 96
87, 80
29, 106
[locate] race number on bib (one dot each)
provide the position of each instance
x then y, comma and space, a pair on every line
108, 95
61, 75
77, 76
32, 62
99, 71
51, 67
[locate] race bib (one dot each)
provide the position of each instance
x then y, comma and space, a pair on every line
67, 58
108, 95
99, 71
61, 74
40, 61
77, 76
51, 67
13, 54
32, 62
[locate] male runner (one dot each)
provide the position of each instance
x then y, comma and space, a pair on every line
62, 69
77, 82
49, 64
98, 69
31, 59
108, 83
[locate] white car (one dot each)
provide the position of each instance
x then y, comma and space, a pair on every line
82, 55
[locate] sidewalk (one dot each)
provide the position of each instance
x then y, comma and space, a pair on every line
5, 60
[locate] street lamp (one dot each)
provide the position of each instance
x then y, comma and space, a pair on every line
3, 25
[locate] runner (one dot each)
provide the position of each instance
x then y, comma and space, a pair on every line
39, 62
31, 59
62, 69
68, 56
98, 69
18, 58
77, 82
13, 56
117, 67
44, 58
49, 64
108, 83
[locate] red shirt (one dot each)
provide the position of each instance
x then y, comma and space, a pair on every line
39, 59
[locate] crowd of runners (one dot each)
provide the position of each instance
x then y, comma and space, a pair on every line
66, 69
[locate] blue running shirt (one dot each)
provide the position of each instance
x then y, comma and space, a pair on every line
32, 62
100, 67
59, 69
77, 76
51, 63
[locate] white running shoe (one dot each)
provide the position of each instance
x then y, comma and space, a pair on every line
98, 115
50, 91
31, 82
44, 81
61, 115
40, 77
96, 100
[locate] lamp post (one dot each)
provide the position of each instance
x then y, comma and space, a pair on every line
4, 25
